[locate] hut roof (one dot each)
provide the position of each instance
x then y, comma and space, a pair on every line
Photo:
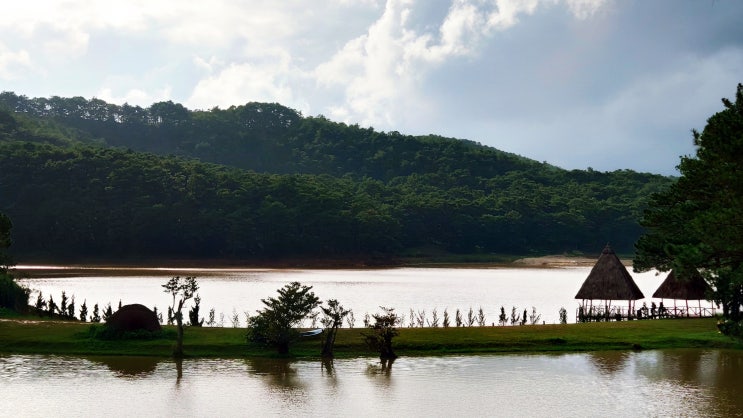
691, 287
609, 280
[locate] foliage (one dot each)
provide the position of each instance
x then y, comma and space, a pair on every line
12, 295
5, 226
95, 317
383, 330
260, 181
696, 225
332, 320
193, 313
182, 289
275, 324
84, 311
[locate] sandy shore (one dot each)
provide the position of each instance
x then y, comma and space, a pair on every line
560, 261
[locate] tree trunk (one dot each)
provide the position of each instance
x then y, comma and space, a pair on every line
178, 351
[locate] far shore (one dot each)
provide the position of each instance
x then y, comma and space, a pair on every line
547, 261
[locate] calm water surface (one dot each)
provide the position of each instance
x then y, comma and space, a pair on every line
420, 289
620, 384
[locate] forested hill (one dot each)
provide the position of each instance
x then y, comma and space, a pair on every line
81, 178
266, 138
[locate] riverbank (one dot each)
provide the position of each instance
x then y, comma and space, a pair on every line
50, 268
33, 336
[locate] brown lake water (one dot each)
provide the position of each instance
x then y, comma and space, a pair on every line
673, 383
230, 291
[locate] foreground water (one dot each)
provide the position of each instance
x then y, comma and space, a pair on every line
233, 292
654, 383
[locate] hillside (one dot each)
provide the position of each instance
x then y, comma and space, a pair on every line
84, 178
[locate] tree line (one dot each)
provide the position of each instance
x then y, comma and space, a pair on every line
90, 179
90, 201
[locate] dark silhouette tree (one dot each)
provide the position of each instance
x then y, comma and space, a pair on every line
696, 225
383, 330
276, 324
182, 289
5, 241
193, 313
333, 316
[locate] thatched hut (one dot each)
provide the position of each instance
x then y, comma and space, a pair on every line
689, 287
609, 281
133, 318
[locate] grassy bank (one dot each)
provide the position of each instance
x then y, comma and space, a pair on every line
29, 336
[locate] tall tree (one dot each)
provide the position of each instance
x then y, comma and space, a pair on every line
697, 223
5, 226
333, 316
182, 289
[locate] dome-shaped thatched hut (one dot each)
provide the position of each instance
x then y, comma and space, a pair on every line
133, 318
689, 287
609, 281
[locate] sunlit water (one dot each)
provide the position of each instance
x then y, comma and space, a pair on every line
619, 384
238, 291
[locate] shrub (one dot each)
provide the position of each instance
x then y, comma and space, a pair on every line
12, 295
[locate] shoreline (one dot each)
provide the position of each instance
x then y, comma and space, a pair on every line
31, 335
33, 267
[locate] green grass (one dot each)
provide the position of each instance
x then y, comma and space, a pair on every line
33, 336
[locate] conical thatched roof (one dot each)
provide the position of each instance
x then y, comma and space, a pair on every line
609, 280
688, 288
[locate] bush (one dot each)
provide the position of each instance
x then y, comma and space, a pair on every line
731, 328
12, 295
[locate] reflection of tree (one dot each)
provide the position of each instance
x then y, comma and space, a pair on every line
179, 370
716, 372
125, 366
276, 372
383, 368
609, 362
328, 367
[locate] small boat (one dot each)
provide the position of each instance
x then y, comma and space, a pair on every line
311, 333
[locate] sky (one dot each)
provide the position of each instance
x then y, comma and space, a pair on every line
605, 84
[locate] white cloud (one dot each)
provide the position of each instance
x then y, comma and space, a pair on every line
13, 64
243, 82
135, 96
382, 71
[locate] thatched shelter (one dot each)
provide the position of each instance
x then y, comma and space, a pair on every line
609, 281
133, 318
690, 287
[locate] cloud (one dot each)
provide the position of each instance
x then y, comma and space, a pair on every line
261, 81
13, 64
382, 71
135, 96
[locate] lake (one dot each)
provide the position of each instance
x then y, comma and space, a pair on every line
233, 292
649, 383
672, 383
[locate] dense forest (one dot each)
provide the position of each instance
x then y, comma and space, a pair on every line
86, 179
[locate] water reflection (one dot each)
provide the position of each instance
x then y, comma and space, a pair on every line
618, 383
127, 366
278, 373
610, 362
